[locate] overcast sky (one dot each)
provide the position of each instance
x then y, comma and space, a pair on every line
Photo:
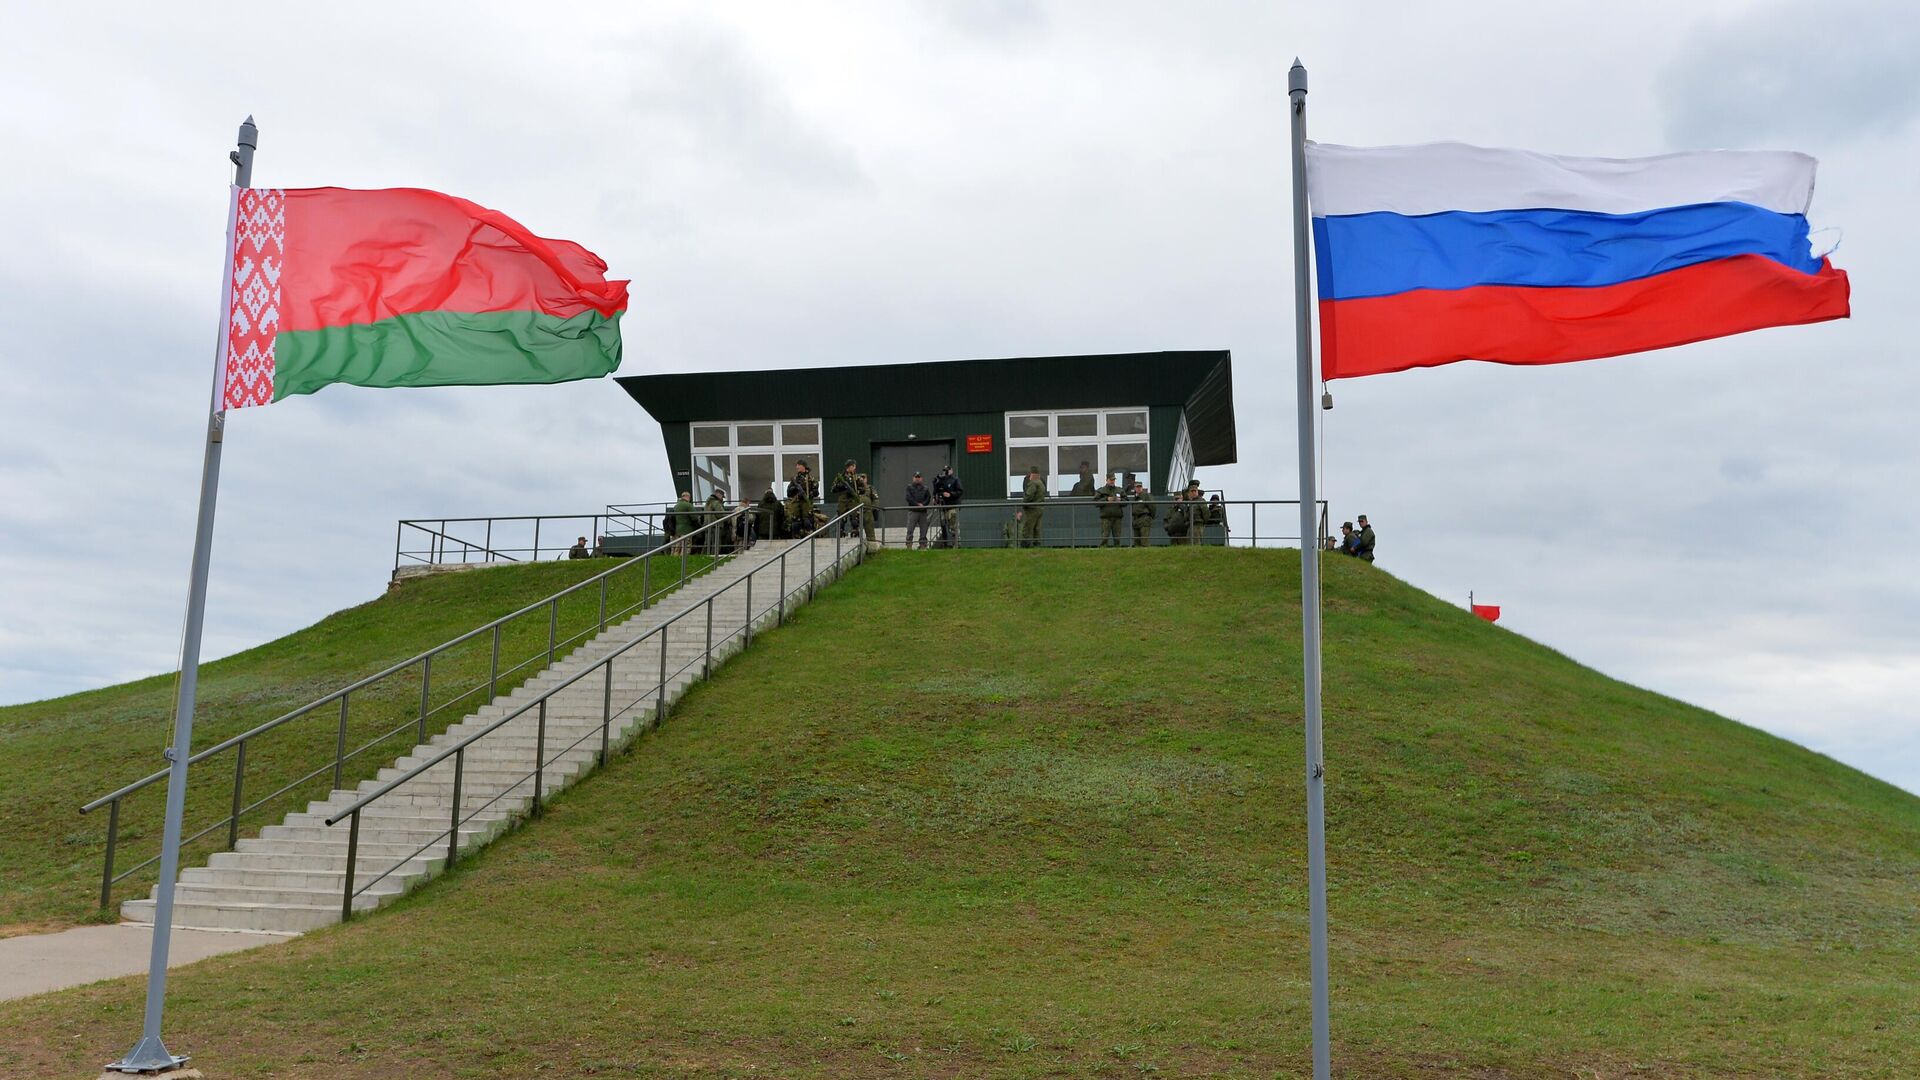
794, 184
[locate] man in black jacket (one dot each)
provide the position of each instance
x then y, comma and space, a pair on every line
918, 498
946, 495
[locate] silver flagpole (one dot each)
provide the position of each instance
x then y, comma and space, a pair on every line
150, 1054
1309, 577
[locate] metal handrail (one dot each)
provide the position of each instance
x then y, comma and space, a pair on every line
402, 665
464, 544
344, 695
457, 751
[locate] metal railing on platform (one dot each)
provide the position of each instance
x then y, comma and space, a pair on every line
1071, 522
459, 815
624, 529
592, 604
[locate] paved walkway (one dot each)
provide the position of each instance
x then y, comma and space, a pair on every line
37, 963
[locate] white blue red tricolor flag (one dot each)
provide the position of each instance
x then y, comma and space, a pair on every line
1431, 254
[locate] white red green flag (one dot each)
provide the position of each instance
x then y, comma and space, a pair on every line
406, 287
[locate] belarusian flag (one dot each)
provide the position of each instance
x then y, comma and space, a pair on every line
405, 287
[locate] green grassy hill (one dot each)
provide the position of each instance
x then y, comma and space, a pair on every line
1039, 814
56, 755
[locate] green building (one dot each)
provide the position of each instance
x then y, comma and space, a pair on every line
1158, 415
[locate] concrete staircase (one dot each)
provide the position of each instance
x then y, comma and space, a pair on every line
291, 877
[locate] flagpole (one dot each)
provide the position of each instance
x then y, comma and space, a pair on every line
1309, 578
150, 1054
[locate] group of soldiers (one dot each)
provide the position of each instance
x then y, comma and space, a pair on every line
1122, 506
798, 515
1355, 542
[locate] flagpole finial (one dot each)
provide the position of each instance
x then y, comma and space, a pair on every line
1297, 77
249, 132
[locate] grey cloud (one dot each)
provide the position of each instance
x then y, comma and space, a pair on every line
993, 20
1796, 75
699, 96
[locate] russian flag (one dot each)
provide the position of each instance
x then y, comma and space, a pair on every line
1431, 254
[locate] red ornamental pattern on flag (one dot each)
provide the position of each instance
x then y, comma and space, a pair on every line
259, 255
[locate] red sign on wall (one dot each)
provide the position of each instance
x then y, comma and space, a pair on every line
979, 444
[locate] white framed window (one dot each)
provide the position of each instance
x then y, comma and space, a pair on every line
748, 458
1181, 470
1061, 443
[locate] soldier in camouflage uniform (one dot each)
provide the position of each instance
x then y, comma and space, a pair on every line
846, 495
716, 508
685, 518
1143, 510
1032, 494
800, 496
870, 499
1111, 512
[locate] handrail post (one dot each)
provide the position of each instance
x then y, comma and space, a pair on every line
553, 628
536, 540
603, 605
1256, 524
706, 669
606, 711
239, 781
660, 694
340, 742
686, 545
489, 540
748, 638
353, 855
539, 756
493, 666
453, 833
646, 579
113, 836
781, 618
813, 569
426, 688
399, 528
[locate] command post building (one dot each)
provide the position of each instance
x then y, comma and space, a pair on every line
1157, 415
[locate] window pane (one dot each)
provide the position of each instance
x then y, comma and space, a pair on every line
710, 472
1127, 423
755, 435
756, 476
1019, 459
1127, 457
1081, 424
1026, 427
1075, 459
799, 435
710, 436
813, 468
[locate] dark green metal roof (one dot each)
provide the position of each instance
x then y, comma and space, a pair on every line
1201, 381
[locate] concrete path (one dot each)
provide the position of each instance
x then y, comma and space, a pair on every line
37, 963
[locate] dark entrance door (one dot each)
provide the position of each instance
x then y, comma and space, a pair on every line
893, 467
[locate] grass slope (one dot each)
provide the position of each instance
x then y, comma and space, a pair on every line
57, 754
1037, 813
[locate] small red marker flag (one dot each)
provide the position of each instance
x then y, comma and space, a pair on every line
1489, 612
